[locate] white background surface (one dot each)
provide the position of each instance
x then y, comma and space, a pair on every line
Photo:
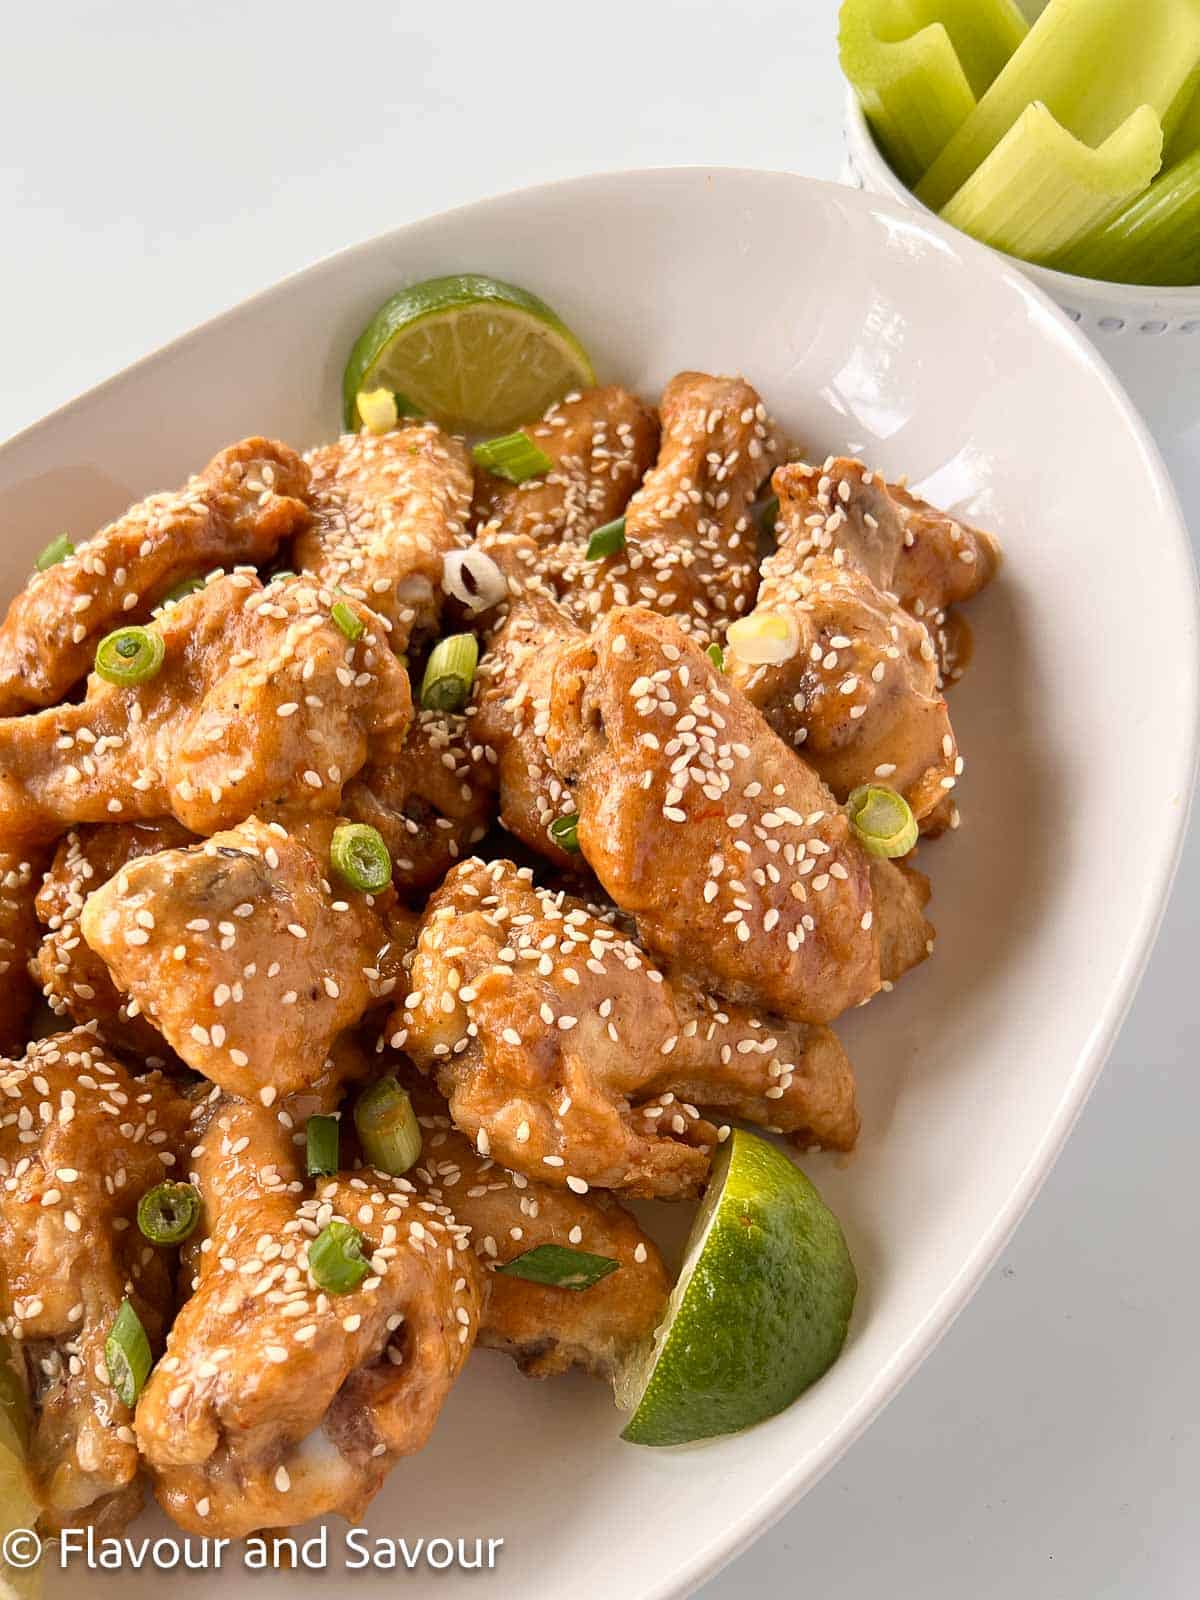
160, 161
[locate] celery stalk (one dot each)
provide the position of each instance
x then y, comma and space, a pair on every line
1041, 188
918, 66
1092, 63
1155, 240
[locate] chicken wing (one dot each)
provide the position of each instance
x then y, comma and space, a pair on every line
691, 547
80, 1143
74, 980
238, 510
387, 508
566, 1055
277, 1401
601, 442
20, 873
261, 701
861, 690
432, 802
728, 849
509, 714
242, 953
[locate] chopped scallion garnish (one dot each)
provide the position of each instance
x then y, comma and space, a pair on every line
182, 590
57, 550
449, 673
168, 1213
565, 833
359, 854
717, 656
322, 1137
606, 541
560, 1268
130, 656
387, 1126
513, 456
127, 1355
347, 622
335, 1259
767, 515
882, 820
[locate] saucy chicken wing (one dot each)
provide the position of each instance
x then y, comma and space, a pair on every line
387, 508
243, 954
566, 1055
80, 1143
278, 1400
261, 701
237, 511
20, 873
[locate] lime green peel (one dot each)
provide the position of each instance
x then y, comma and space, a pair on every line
1154, 240
1092, 64
919, 66
1041, 188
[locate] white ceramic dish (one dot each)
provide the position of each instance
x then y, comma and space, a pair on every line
870, 328
1150, 337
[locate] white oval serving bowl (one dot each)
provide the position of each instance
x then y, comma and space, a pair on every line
1150, 337
871, 329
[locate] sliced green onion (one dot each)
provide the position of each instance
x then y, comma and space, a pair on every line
768, 515
565, 833
335, 1259
127, 1355
513, 456
57, 550
359, 856
882, 820
1091, 64
322, 1137
449, 673
1041, 188
560, 1268
278, 577
717, 656
347, 622
182, 590
129, 656
1154, 240
168, 1214
387, 1126
606, 541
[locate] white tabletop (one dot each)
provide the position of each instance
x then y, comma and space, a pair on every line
159, 161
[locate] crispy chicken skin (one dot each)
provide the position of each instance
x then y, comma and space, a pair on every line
899, 895
432, 802
509, 714
386, 510
20, 873
691, 547
862, 692
80, 1143
545, 1330
601, 443
728, 849
261, 701
243, 953
566, 1056
247, 500
276, 1401
75, 981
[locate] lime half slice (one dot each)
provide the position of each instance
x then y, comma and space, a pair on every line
475, 354
18, 1510
760, 1310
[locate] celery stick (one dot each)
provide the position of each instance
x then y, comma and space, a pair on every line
1041, 188
1155, 240
918, 66
1092, 63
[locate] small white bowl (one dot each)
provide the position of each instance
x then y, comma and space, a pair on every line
1150, 337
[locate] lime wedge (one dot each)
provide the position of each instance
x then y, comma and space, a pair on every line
18, 1508
760, 1310
475, 354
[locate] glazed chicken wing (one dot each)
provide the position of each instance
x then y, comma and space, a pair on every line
74, 979
691, 547
80, 1143
601, 442
278, 1401
237, 511
432, 802
20, 873
261, 701
566, 1055
861, 689
243, 954
387, 508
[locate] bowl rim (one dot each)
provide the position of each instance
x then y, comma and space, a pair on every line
1179, 775
864, 150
